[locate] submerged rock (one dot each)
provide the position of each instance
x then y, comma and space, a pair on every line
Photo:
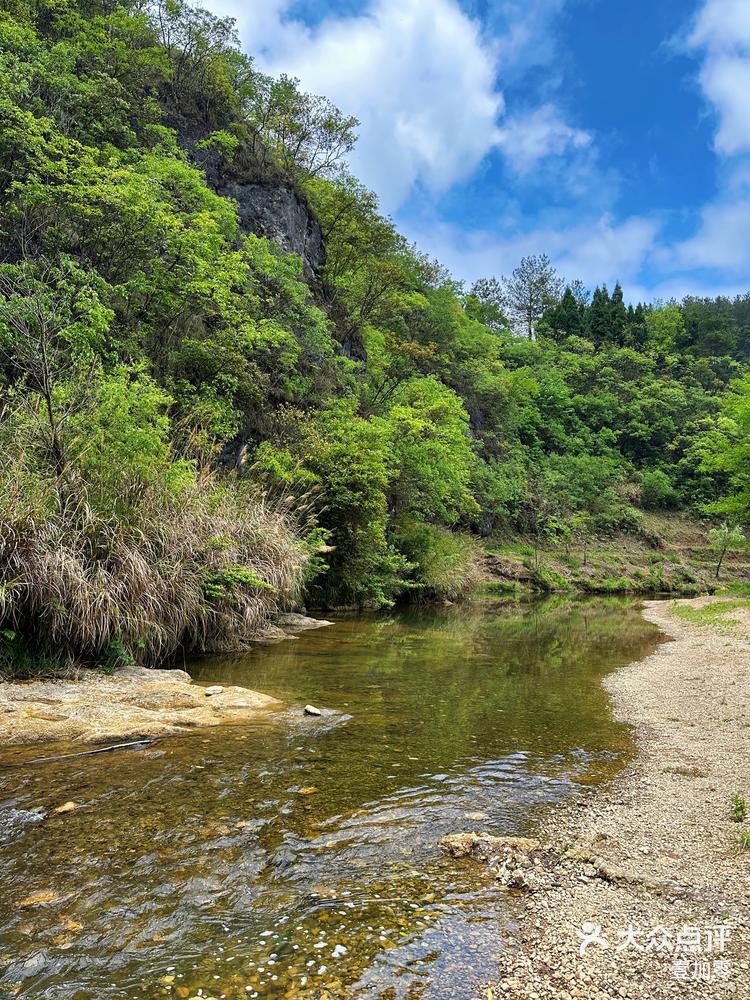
38, 899
132, 704
66, 807
13, 822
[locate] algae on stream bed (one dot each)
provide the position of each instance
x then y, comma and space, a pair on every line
292, 857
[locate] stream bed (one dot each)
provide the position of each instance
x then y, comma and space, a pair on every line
299, 856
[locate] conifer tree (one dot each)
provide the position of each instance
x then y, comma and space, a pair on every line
600, 316
619, 316
531, 290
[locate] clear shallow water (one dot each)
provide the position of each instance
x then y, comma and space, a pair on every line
234, 861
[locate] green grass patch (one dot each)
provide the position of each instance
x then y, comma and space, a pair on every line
738, 806
712, 614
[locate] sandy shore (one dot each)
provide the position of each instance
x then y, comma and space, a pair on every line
658, 850
132, 703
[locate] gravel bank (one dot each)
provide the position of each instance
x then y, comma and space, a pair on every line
658, 850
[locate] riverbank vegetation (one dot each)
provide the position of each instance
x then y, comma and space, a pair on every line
198, 427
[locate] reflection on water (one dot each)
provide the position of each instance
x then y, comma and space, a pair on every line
293, 857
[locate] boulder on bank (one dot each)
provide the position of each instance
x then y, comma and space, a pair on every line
300, 623
515, 862
484, 847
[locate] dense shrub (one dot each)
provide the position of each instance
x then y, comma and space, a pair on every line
444, 564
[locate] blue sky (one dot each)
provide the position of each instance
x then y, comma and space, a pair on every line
613, 136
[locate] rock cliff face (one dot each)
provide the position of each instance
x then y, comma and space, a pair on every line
275, 210
268, 206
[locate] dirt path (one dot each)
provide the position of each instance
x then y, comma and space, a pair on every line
657, 851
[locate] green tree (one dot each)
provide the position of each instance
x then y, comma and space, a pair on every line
532, 289
566, 318
665, 325
724, 538
600, 317
52, 321
486, 303
306, 134
618, 316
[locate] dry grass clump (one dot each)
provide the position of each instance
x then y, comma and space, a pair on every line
445, 564
204, 569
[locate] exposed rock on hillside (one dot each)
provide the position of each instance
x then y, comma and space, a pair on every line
269, 206
275, 210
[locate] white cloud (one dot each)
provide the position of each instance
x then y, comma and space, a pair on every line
720, 36
527, 139
417, 73
721, 241
425, 79
422, 77
721, 32
525, 33
596, 251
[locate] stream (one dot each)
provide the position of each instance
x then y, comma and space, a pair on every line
298, 856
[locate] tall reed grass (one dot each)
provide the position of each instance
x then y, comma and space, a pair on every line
203, 570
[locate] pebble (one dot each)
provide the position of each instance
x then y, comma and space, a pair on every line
66, 807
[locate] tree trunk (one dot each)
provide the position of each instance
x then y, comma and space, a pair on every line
721, 560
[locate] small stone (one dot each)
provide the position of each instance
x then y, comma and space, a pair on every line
312, 710
66, 807
308, 790
37, 898
214, 689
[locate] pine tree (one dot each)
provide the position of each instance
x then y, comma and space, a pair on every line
532, 289
565, 319
618, 316
636, 332
600, 317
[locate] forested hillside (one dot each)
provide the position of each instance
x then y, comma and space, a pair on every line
228, 381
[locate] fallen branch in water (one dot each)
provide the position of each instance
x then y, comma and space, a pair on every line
84, 753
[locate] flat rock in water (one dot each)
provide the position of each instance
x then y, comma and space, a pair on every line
312, 710
483, 846
300, 622
131, 671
